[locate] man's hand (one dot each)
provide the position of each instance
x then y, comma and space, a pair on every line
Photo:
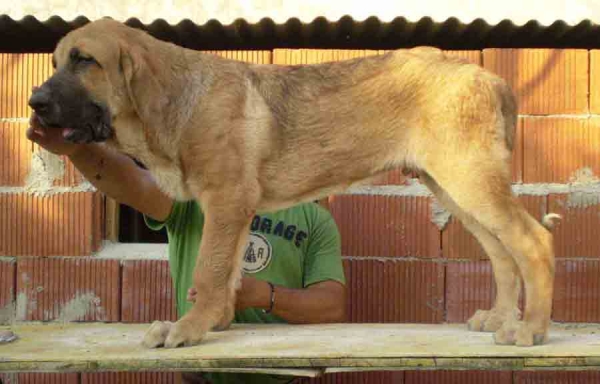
111, 172
51, 139
253, 293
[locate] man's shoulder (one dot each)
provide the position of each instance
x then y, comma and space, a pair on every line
185, 213
188, 206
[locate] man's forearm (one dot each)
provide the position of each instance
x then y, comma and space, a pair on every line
321, 303
120, 178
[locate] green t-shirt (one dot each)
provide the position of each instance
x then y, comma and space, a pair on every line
294, 247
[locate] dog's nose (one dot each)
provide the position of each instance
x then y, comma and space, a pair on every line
40, 100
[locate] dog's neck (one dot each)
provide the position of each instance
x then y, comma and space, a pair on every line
181, 85
186, 85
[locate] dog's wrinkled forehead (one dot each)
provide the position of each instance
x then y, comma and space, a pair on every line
97, 39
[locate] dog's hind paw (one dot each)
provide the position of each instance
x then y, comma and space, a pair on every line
492, 320
518, 333
157, 334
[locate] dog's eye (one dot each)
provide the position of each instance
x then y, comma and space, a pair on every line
78, 58
81, 59
87, 59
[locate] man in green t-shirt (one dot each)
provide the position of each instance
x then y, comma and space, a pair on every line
293, 249
296, 251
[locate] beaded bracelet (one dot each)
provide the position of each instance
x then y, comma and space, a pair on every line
267, 311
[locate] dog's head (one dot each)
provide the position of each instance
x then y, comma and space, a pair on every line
101, 75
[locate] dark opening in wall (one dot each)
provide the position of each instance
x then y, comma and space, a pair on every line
133, 229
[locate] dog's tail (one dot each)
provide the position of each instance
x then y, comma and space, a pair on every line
548, 220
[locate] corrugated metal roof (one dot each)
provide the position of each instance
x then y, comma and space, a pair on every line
227, 11
32, 35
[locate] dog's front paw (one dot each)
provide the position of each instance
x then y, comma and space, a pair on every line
492, 320
225, 322
157, 334
520, 334
186, 332
222, 326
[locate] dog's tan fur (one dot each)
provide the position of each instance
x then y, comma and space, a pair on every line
242, 138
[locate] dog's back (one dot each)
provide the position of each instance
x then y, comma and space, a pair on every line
406, 104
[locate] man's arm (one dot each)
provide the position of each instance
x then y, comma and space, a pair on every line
119, 177
323, 302
111, 172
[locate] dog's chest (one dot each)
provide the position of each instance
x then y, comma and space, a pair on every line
170, 181
167, 174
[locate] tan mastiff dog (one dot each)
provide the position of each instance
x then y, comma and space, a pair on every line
243, 138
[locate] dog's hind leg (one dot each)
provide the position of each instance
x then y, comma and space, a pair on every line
478, 182
506, 272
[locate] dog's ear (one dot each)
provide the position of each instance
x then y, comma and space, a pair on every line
144, 88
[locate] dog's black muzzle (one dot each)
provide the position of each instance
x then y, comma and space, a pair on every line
62, 102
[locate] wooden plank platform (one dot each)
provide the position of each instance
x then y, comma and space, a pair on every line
302, 350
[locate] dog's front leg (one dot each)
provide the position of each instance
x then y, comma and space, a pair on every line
217, 272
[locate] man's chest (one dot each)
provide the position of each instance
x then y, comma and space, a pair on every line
275, 249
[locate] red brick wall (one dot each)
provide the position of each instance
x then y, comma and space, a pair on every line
400, 266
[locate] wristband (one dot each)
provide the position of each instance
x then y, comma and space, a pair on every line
267, 311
